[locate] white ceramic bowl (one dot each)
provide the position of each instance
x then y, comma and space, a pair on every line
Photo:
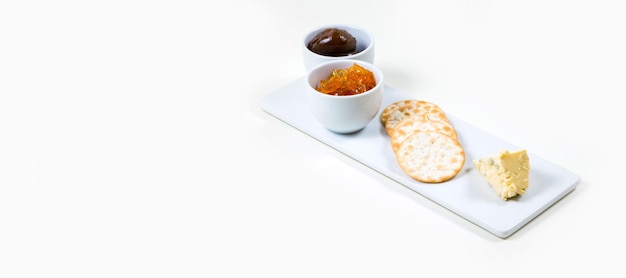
364, 46
343, 114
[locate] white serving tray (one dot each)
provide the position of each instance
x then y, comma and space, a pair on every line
468, 194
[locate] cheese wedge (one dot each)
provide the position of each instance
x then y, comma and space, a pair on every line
506, 172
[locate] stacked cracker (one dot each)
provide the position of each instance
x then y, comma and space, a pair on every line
424, 141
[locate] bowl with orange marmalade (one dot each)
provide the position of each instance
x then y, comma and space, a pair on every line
336, 42
344, 95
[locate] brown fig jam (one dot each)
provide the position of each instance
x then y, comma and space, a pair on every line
333, 42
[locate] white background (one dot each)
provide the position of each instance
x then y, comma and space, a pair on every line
132, 144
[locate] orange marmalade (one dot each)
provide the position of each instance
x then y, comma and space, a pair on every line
345, 82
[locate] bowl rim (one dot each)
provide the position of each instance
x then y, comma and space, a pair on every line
368, 66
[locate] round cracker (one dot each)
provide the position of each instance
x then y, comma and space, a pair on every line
391, 107
418, 108
410, 125
430, 157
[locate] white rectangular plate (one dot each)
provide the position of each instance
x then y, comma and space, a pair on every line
468, 194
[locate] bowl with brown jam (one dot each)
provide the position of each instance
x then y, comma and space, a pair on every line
335, 42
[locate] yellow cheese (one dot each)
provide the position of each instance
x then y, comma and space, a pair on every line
506, 172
